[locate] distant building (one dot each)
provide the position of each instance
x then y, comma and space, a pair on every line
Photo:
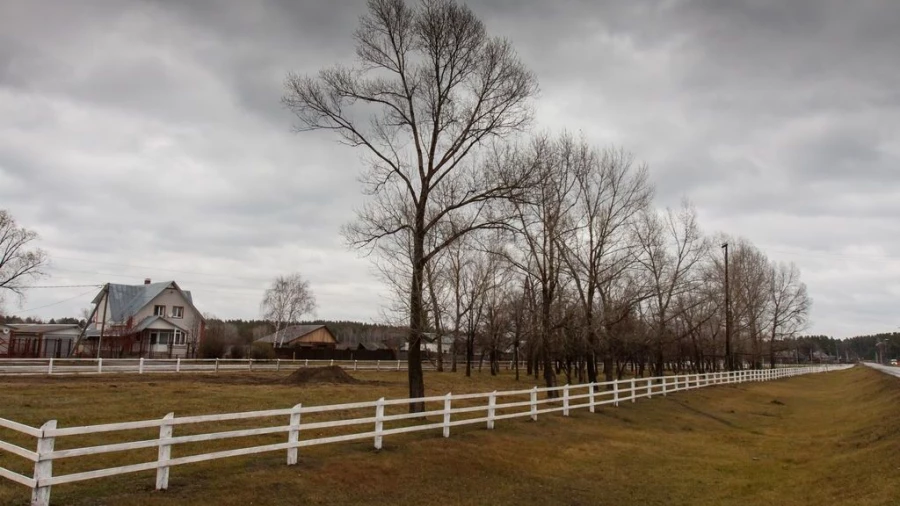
301, 336
154, 320
37, 340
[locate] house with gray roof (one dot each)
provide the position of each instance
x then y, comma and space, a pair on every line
153, 320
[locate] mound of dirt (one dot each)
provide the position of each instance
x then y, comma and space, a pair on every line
330, 374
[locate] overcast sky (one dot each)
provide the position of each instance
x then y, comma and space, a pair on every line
146, 138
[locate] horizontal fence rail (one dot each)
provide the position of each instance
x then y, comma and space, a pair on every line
373, 420
63, 366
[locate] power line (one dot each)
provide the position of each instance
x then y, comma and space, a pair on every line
158, 269
57, 302
61, 286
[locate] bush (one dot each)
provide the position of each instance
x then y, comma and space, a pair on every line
237, 351
212, 347
262, 351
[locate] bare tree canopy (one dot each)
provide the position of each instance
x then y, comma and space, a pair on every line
18, 264
431, 91
286, 301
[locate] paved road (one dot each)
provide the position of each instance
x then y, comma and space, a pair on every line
887, 369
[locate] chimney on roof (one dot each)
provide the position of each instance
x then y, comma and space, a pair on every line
146, 281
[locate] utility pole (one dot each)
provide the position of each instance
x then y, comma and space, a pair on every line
729, 363
105, 300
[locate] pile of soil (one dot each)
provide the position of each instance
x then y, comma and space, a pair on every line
330, 374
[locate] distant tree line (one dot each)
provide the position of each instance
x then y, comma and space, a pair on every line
882, 347
33, 319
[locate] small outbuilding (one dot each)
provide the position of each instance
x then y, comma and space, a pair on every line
37, 340
301, 336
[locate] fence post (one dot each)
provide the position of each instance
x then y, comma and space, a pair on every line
178, 364
294, 435
100, 365
616, 393
492, 401
50, 367
141, 366
354, 364
379, 423
649, 388
43, 469
664, 380
534, 404
306, 364
217, 365
591, 388
447, 414
398, 365
378, 365
566, 400
633, 391
250, 365
165, 452
332, 362
277, 364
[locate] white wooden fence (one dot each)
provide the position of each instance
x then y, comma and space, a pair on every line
479, 408
60, 366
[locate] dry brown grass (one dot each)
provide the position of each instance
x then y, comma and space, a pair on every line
829, 439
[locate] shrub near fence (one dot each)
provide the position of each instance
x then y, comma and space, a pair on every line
379, 419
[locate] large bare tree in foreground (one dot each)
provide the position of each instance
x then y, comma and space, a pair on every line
18, 263
429, 91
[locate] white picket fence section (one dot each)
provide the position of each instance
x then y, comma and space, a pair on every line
494, 406
61, 366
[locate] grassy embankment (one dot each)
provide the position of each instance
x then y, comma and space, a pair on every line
818, 439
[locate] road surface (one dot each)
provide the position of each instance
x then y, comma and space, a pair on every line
887, 369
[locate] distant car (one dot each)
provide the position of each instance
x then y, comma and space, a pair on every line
893, 361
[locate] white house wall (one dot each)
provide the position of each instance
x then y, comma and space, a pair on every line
171, 297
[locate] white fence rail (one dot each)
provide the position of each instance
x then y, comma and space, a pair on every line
453, 410
61, 366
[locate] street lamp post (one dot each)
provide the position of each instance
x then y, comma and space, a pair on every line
729, 363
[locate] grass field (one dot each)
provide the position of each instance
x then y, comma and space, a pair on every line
818, 439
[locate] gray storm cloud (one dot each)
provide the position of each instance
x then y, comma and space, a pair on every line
146, 138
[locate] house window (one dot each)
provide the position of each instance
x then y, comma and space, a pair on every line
160, 338
159, 310
179, 337
177, 311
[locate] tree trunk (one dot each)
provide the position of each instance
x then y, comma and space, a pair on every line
549, 376
416, 327
608, 367
516, 357
470, 352
453, 353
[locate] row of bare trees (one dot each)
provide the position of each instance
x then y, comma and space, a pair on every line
548, 244
585, 275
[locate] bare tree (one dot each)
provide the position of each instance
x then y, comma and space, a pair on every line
286, 301
789, 305
430, 90
542, 218
610, 191
671, 246
18, 264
